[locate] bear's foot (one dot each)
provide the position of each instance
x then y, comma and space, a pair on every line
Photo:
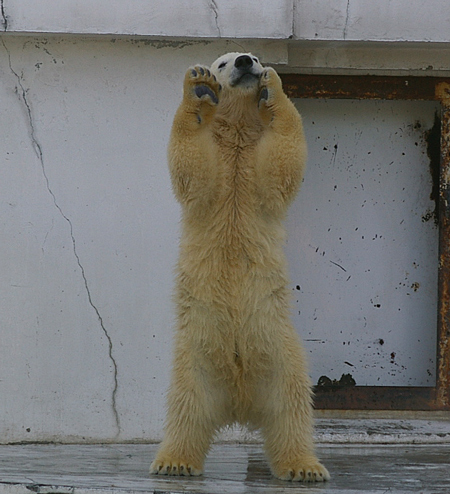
175, 466
303, 469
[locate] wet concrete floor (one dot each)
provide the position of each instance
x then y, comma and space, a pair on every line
230, 469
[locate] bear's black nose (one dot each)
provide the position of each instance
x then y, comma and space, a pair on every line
243, 62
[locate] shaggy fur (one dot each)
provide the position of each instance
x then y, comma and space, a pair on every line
236, 157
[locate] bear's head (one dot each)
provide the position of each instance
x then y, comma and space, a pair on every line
238, 71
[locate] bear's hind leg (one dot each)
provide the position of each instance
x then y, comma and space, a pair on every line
284, 404
196, 407
287, 431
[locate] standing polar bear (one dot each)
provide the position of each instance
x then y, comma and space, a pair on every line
236, 157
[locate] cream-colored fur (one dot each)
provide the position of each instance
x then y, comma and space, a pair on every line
236, 158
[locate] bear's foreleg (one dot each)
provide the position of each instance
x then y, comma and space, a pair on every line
201, 92
191, 149
281, 152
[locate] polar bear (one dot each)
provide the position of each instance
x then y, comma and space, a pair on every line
236, 158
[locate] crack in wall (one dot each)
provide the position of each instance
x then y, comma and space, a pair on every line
294, 13
215, 10
346, 19
22, 93
4, 17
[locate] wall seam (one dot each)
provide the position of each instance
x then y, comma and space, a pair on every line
4, 17
215, 10
293, 11
347, 14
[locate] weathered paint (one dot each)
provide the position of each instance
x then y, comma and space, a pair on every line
433, 140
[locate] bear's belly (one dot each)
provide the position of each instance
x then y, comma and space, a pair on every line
232, 277
231, 257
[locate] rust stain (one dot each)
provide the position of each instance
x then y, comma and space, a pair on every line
443, 365
415, 286
433, 140
442, 92
375, 398
443, 353
344, 381
363, 87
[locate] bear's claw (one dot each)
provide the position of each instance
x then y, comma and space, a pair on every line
302, 472
264, 94
174, 467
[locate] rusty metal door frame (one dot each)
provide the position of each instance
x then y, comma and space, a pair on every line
396, 88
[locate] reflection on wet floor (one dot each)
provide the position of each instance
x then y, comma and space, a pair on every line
229, 469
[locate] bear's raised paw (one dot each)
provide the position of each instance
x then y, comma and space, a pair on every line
203, 84
270, 85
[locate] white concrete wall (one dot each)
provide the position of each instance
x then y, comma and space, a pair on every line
187, 18
369, 20
88, 235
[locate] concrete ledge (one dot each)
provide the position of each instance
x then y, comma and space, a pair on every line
343, 20
193, 18
383, 431
363, 430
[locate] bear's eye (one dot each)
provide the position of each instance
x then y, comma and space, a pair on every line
222, 65
256, 60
